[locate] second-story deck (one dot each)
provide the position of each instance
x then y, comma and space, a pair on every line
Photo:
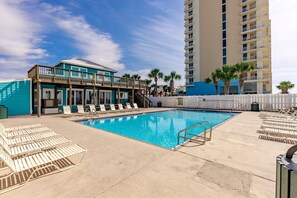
55, 75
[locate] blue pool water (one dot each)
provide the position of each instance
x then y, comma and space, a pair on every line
159, 128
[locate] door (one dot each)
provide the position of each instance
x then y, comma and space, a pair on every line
77, 96
90, 98
105, 97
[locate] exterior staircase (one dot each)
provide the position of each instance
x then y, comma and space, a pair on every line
142, 100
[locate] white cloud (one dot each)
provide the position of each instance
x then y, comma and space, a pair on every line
159, 41
19, 36
284, 40
95, 45
24, 25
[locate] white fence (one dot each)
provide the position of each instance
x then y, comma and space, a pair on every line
267, 102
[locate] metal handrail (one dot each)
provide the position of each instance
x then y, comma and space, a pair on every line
210, 128
194, 135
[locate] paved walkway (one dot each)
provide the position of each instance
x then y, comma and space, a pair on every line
234, 164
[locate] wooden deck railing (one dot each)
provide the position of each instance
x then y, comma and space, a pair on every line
60, 75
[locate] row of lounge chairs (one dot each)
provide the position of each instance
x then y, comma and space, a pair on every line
31, 151
280, 128
92, 110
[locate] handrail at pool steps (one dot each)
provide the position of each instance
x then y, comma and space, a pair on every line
185, 134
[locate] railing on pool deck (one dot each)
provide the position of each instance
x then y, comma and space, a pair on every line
185, 134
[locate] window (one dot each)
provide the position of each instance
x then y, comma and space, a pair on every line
224, 25
191, 43
60, 97
224, 43
191, 35
190, 28
73, 72
105, 97
224, 34
48, 94
123, 95
90, 97
223, 1
224, 8
224, 16
77, 71
224, 51
77, 96
83, 70
224, 60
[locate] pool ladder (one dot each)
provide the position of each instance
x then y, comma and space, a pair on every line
185, 134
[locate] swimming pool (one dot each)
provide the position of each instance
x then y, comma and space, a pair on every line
160, 128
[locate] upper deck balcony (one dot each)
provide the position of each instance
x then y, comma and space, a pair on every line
55, 75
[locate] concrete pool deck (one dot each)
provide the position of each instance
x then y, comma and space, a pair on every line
234, 164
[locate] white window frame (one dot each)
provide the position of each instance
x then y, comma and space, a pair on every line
61, 98
48, 89
105, 91
78, 71
96, 96
123, 95
74, 102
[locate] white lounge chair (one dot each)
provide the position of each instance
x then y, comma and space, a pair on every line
283, 124
102, 108
81, 111
67, 110
128, 106
278, 132
112, 107
34, 146
121, 108
271, 126
278, 139
23, 132
32, 126
23, 169
28, 138
135, 106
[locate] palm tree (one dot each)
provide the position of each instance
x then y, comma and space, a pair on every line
285, 86
136, 77
155, 74
171, 77
226, 74
166, 89
214, 78
242, 68
126, 76
148, 85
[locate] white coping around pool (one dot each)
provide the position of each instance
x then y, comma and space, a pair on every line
234, 164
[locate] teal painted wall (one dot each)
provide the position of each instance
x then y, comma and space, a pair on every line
16, 96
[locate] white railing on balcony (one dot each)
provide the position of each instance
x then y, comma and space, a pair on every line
267, 102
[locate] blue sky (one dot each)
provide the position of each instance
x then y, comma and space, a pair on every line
132, 36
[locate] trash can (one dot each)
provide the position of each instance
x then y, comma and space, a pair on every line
286, 174
159, 104
3, 112
255, 106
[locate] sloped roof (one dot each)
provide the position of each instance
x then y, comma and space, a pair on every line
86, 63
